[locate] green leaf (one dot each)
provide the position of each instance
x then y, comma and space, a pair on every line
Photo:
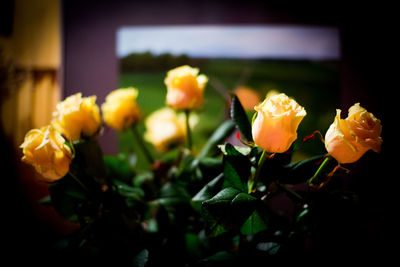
175, 201
236, 168
77, 194
141, 258
221, 258
300, 171
173, 194
228, 209
254, 224
222, 132
274, 168
207, 192
45, 201
210, 163
193, 245
244, 150
186, 167
88, 160
142, 178
118, 168
67, 196
129, 191
210, 167
239, 116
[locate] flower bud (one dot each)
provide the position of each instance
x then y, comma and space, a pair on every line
77, 117
45, 150
185, 87
120, 110
348, 139
165, 129
275, 127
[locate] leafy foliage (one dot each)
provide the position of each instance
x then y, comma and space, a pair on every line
197, 210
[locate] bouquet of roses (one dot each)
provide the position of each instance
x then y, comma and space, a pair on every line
215, 206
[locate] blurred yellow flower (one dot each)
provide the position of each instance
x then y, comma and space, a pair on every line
45, 150
348, 139
165, 129
248, 97
275, 127
120, 110
185, 87
77, 117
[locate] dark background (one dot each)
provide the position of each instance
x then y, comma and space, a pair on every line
367, 67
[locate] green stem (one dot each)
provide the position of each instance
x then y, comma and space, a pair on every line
78, 181
142, 145
320, 169
188, 132
260, 163
288, 191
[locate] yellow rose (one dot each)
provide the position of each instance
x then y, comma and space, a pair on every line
120, 110
185, 87
348, 139
45, 150
165, 129
275, 127
77, 116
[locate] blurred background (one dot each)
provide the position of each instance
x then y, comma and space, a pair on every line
325, 55
250, 60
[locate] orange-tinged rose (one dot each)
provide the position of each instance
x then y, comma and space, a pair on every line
275, 127
77, 117
248, 97
348, 139
120, 110
45, 150
165, 129
185, 87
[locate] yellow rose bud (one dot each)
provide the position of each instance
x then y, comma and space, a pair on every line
275, 127
165, 129
348, 139
185, 87
120, 110
77, 116
45, 150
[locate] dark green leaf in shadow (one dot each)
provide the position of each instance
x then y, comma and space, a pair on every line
118, 168
45, 201
257, 222
187, 168
210, 167
173, 194
207, 192
210, 163
240, 118
218, 137
228, 209
221, 258
68, 196
236, 168
141, 258
193, 245
300, 171
128, 191
88, 159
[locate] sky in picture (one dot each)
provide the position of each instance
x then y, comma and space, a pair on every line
256, 41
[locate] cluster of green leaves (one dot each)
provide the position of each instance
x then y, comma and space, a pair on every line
192, 210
